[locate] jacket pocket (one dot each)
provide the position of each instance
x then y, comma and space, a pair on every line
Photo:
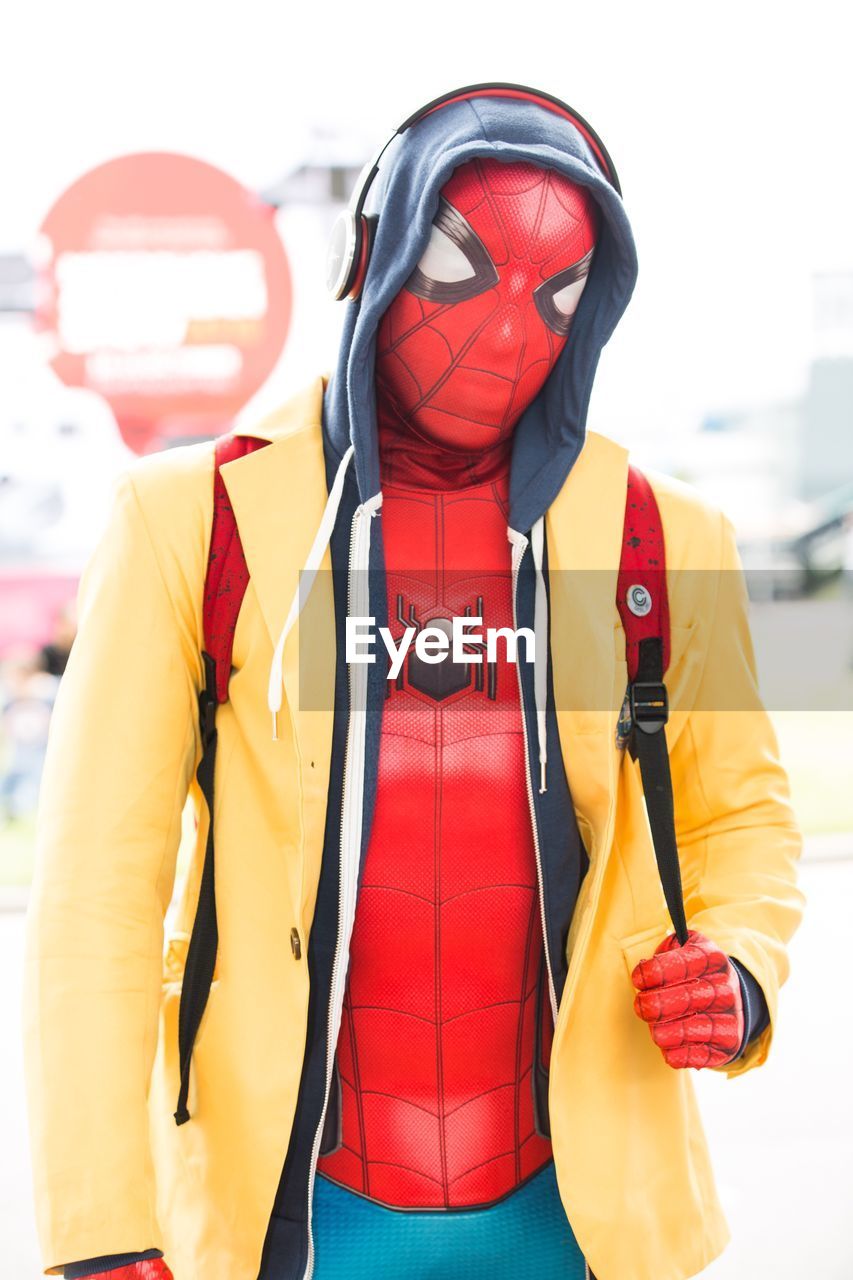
640, 946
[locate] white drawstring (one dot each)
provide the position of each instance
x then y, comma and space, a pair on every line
540, 659
303, 587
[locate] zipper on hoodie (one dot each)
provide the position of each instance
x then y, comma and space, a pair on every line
358, 605
519, 546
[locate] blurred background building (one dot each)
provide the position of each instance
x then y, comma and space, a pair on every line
783, 471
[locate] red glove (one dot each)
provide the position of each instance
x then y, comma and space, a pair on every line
149, 1269
691, 998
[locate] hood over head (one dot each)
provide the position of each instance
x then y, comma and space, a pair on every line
550, 432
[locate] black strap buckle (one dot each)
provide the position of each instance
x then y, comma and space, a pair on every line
207, 716
649, 705
207, 701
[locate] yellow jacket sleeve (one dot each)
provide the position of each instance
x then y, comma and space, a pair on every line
737, 836
120, 760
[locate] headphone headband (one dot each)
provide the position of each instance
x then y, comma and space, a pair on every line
525, 93
351, 235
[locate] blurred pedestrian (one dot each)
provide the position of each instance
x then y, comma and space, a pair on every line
54, 655
27, 694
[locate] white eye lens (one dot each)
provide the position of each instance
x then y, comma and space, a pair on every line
566, 300
443, 261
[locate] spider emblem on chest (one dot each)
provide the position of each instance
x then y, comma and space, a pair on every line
445, 677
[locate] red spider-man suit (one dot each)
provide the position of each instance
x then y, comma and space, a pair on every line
447, 1007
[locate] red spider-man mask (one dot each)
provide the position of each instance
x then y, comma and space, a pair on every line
471, 337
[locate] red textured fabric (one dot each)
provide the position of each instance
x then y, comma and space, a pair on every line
227, 574
643, 563
436, 1048
447, 1014
691, 998
150, 1269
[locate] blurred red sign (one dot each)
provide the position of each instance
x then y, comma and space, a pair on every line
166, 288
33, 602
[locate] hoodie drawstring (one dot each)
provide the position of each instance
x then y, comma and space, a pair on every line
303, 588
540, 634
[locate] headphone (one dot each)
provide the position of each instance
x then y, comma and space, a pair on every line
353, 231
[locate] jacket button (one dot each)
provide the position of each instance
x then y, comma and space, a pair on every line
295, 944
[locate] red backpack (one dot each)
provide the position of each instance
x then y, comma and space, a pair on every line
641, 599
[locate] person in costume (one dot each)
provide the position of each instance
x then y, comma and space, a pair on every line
438, 926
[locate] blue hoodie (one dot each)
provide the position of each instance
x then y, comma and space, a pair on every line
550, 434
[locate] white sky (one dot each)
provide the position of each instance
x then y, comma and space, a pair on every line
729, 124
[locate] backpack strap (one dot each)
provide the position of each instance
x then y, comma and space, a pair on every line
224, 588
643, 604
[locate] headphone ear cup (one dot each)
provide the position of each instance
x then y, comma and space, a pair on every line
344, 245
367, 234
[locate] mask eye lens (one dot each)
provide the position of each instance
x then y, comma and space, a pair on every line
557, 299
455, 264
443, 261
566, 299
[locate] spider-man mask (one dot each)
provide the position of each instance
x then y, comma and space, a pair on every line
471, 337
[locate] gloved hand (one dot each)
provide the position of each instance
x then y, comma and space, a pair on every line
148, 1269
691, 998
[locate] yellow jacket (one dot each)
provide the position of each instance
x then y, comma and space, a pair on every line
113, 1173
